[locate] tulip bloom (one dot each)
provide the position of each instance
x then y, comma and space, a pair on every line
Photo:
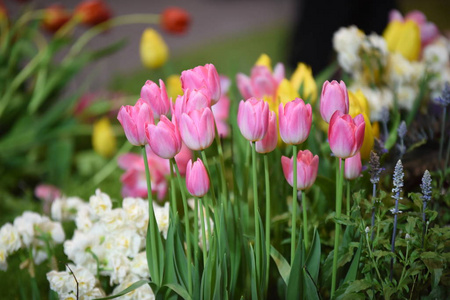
103, 138
302, 77
191, 100
353, 167
154, 51
334, 98
345, 134
261, 83
174, 86
403, 38
253, 119
197, 180
285, 93
197, 128
203, 77
93, 12
55, 16
133, 120
164, 138
175, 20
295, 121
270, 141
307, 166
156, 97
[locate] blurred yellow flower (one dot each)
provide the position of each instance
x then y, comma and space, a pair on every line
358, 104
404, 38
285, 93
153, 49
103, 138
303, 80
264, 60
173, 87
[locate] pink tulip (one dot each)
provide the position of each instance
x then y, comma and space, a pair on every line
334, 97
182, 158
191, 100
197, 128
352, 167
133, 120
47, 192
156, 97
345, 134
134, 182
221, 110
295, 121
197, 180
164, 138
202, 77
253, 119
270, 141
428, 30
261, 82
307, 166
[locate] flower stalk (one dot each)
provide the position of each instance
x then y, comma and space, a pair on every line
398, 184
337, 226
294, 203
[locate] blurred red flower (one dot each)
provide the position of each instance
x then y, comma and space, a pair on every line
175, 20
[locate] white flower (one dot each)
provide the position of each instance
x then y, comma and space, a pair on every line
39, 255
83, 219
125, 241
60, 282
347, 42
136, 210
162, 217
375, 45
118, 267
113, 219
436, 55
25, 226
139, 265
377, 99
3, 257
66, 208
9, 238
406, 96
100, 203
142, 293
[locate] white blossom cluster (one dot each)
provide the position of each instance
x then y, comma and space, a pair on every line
29, 231
381, 75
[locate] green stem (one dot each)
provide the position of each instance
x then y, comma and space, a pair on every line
202, 219
348, 197
294, 203
256, 213
405, 264
173, 200
222, 164
186, 227
267, 233
305, 220
152, 231
31, 270
196, 231
372, 258
338, 226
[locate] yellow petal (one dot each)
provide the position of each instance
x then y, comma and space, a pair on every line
153, 49
358, 103
392, 34
286, 92
264, 60
368, 142
409, 42
103, 138
302, 79
173, 87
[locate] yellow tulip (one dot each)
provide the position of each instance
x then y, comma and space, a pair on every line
404, 38
264, 60
173, 87
303, 76
369, 140
358, 103
103, 138
153, 49
286, 92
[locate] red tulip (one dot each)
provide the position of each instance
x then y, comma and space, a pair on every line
345, 134
175, 20
55, 16
93, 12
307, 166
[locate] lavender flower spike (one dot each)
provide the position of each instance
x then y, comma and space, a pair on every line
398, 184
426, 197
444, 99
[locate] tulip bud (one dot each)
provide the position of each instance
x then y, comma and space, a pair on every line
153, 49
103, 138
175, 20
156, 97
197, 180
270, 141
307, 167
92, 12
203, 77
197, 128
253, 119
352, 167
133, 120
404, 38
345, 134
55, 16
334, 98
264, 60
174, 87
164, 138
295, 121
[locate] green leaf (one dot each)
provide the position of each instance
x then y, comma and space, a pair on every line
179, 290
283, 266
310, 288
131, 288
296, 281
313, 260
353, 270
